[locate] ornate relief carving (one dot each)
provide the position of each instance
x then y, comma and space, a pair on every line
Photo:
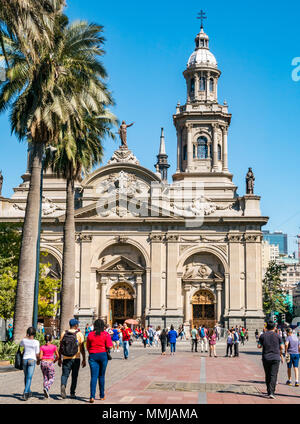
172, 237
202, 206
156, 237
84, 238
123, 156
235, 238
121, 239
203, 297
121, 291
252, 238
184, 247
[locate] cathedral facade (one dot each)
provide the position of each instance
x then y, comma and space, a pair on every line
186, 253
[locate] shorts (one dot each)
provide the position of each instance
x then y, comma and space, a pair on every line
294, 361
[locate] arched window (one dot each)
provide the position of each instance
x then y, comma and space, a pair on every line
219, 152
202, 148
192, 86
202, 43
202, 84
211, 84
194, 151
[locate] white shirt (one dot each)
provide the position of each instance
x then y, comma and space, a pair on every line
31, 348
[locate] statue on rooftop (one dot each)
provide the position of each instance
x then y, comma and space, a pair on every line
250, 181
123, 133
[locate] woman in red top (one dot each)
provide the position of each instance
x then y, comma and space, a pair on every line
97, 344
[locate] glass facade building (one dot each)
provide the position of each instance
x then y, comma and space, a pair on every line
277, 238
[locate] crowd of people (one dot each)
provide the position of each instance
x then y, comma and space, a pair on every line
100, 340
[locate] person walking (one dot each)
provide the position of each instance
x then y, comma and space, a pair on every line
87, 331
172, 336
203, 338
163, 337
144, 337
48, 356
212, 339
98, 345
71, 346
272, 352
292, 349
256, 335
194, 337
151, 335
126, 334
242, 334
115, 333
156, 336
236, 342
229, 344
30, 359
9, 333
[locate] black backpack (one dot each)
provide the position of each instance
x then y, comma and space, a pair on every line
69, 344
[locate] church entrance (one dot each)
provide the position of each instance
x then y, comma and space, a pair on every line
203, 303
121, 303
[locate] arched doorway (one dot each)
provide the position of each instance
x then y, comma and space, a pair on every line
121, 303
203, 313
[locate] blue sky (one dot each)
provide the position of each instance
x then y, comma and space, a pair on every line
147, 47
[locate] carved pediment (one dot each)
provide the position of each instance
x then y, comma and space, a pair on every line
121, 264
201, 272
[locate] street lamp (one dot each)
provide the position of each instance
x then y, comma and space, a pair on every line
38, 243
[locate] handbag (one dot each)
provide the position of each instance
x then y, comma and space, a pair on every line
19, 359
109, 357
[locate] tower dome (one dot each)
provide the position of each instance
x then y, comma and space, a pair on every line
202, 55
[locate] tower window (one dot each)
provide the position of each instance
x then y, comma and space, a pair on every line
211, 84
202, 148
202, 84
192, 86
184, 152
202, 43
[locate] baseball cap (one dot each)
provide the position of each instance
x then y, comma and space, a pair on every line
73, 322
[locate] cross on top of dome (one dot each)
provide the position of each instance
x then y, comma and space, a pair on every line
201, 17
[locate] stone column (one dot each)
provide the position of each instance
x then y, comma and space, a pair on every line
156, 271
187, 304
103, 299
172, 253
215, 147
85, 271
196, 86
236, 254
219, 302
189, 147
178, 133
226, 293
253, 289
224, 149
207, 76
139, 296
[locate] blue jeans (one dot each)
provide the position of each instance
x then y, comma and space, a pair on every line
173, 347
69, 365
126, 348
28, 368
98, 364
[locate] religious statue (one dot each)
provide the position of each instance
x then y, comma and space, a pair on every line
123, 133
250, 182
1, 182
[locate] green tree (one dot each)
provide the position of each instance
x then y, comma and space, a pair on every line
48, 287
43, 97
10, 241
274, 295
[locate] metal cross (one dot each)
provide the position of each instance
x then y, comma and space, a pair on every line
201, 16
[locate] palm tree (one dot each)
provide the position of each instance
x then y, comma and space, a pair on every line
79, 150
29, 21
43, 97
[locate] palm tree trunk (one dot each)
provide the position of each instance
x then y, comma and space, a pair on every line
68, 271
27, 261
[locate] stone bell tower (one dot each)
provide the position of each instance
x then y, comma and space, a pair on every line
202, 123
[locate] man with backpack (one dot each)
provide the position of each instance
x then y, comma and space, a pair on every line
203, 338
71, 346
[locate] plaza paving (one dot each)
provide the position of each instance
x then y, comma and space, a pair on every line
149, 378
